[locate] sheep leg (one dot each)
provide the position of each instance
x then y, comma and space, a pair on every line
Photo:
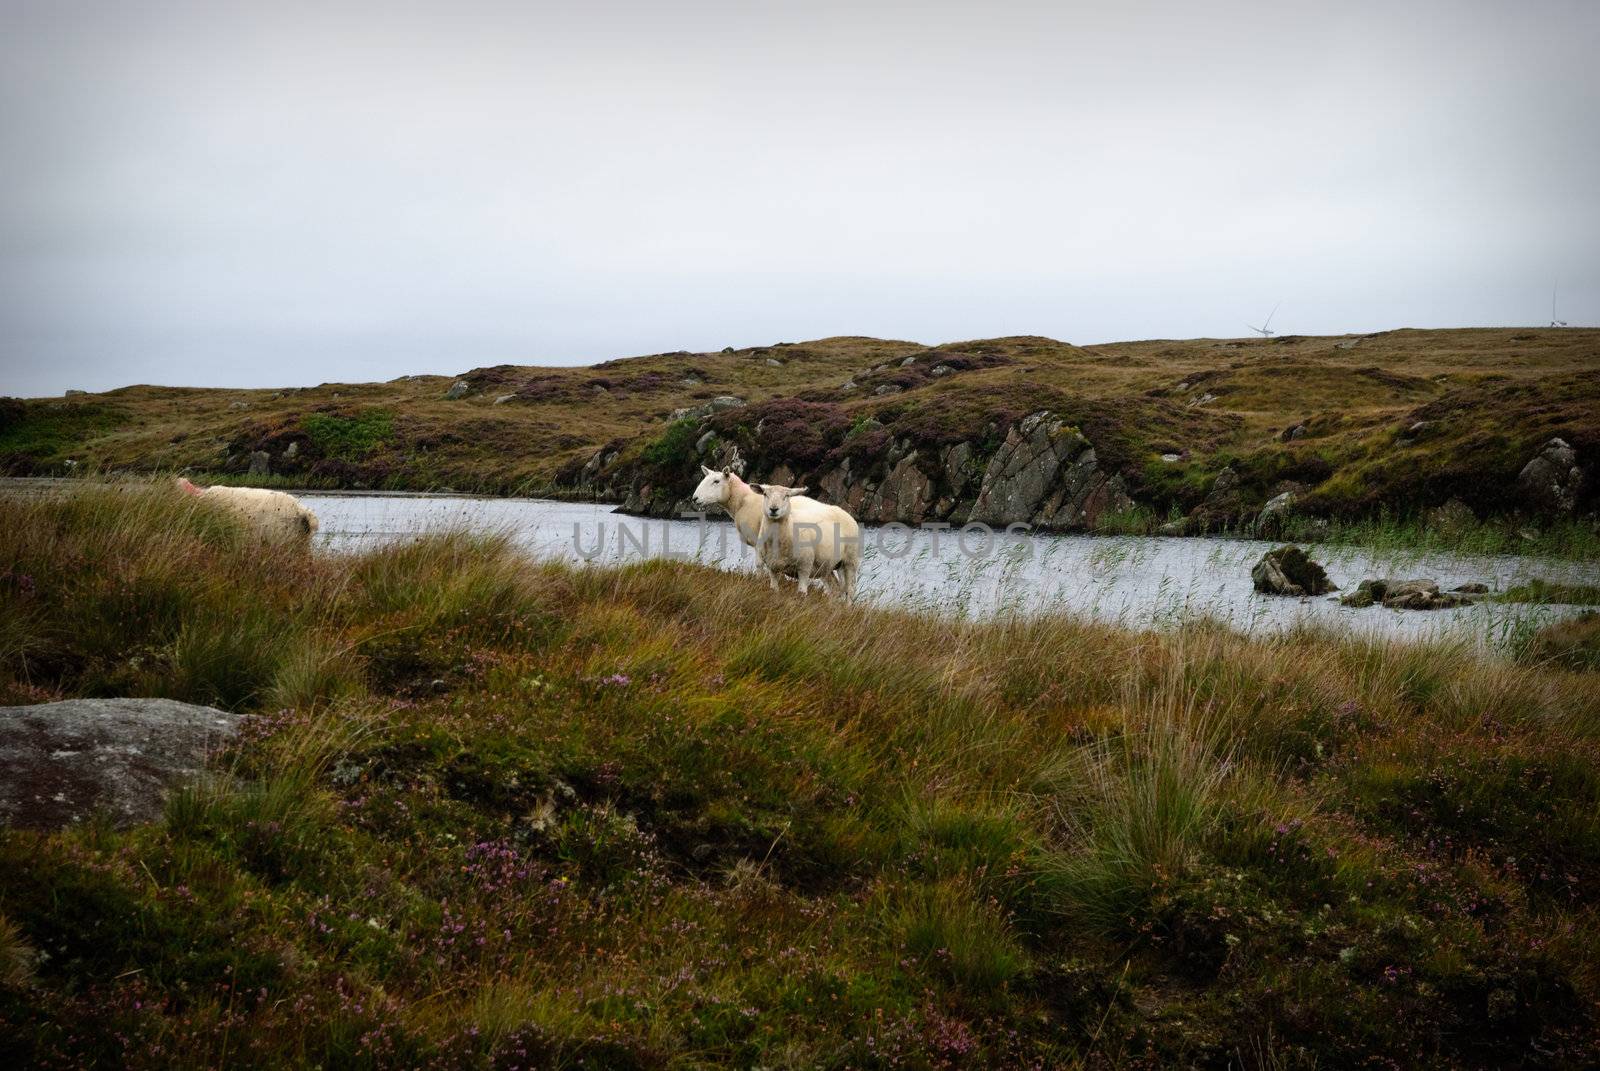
803, 572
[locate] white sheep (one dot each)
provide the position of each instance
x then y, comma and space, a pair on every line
808, 538
277, 517
724, 488
727, 490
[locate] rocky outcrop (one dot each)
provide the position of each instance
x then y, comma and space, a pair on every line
1044, 473
1224, 505
458, 390
1024, 469
62, 762
1289, 571
1550, 481
1048, 475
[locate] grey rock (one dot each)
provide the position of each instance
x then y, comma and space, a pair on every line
904, 495
1275, 512
1174, 528
1225, 481
1550, 481
1289, 435
458, 390
940, 370
704, 443
908, 362
75, 394
260, 463
1023, 470
1205, 399
887, 388
504, 398
1171, 458
848, 384
774, 362
1290, 571
705, 409
958, 467
293, 450
238, 405
62, 762
690, 380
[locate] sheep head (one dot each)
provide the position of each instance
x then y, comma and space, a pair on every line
775, 504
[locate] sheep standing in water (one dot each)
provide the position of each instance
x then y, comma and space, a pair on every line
275, 516
808, 538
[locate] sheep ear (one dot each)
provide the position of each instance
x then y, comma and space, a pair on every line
798, 490
706, 471
758, 489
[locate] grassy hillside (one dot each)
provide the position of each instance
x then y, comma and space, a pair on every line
496, 813
1395, 422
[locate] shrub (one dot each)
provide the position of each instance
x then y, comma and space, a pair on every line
673, 449
348, 438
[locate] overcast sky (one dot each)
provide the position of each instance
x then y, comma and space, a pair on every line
281, 193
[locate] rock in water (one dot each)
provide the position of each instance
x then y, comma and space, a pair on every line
62, 762
1410, 595
1288, 571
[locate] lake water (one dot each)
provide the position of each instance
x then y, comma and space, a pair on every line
1135, 581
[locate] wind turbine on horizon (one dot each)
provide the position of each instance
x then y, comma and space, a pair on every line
1265, 330
1553, 321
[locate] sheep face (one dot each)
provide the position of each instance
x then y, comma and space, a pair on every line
775, 504
714, 489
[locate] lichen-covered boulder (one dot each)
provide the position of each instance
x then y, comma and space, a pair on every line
1290, 571
62, 762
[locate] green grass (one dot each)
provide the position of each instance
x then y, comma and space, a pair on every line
488, 812
41, 435
1572, 538
348, 438
1543, 591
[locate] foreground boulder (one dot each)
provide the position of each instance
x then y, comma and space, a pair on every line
1411, 595
1289, 571
62, 762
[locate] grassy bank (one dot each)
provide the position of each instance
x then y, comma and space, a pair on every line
496, 813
